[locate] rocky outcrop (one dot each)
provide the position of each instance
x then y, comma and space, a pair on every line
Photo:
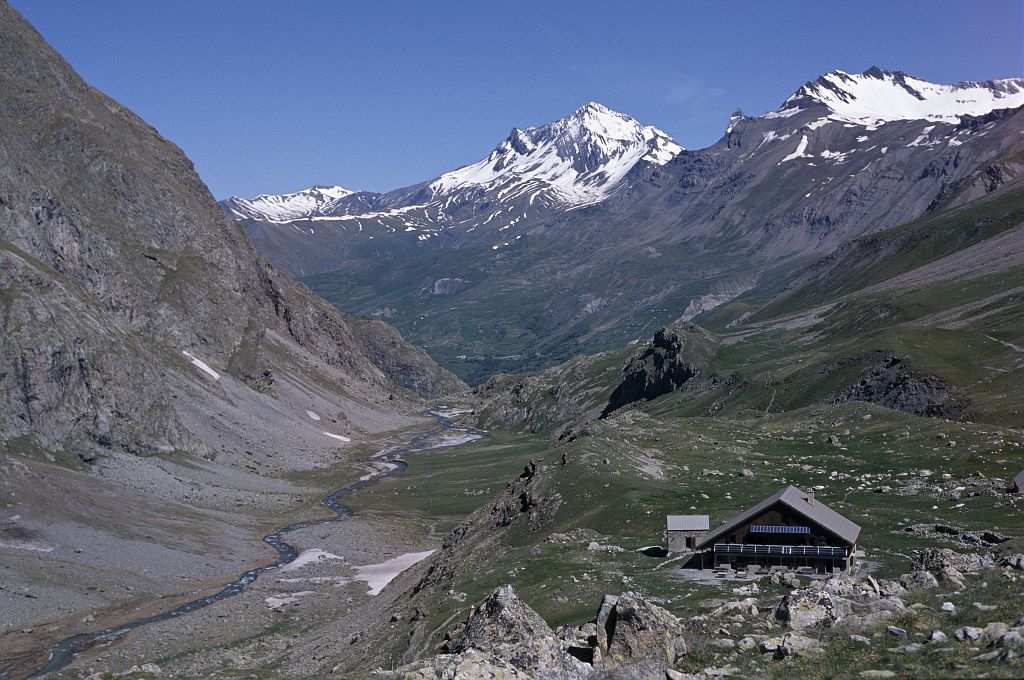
889, 382
660, 368
504, 638
407, 366
447, 286
514, 635
525, 501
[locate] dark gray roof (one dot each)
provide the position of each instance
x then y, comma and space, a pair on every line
1018, 482
688, 523
796, 500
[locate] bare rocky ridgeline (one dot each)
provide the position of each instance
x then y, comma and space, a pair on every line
632, 637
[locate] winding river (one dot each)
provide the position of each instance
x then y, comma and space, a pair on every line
446, 434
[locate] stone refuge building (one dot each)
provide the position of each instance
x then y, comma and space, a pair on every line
1018, 482
683, 531
788, 529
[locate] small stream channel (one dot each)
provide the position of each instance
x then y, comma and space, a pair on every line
68, 649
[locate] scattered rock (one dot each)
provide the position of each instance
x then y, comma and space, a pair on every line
912, 648
967, 634
791, 644
919, 580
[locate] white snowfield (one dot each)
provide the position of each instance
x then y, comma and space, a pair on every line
201, 365
579, 158
287, 207
878, 96
379, 575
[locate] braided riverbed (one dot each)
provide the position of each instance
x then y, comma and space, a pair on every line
390, 464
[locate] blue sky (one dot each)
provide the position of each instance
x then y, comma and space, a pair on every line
276, 96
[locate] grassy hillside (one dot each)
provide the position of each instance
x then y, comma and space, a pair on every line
927, 318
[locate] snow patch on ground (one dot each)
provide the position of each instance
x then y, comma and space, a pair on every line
339, 437
202, 365
274, 602
379, 575
311, 556
455, 439
799, 153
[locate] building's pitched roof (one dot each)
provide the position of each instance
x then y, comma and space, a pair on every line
1018, 481
796, 500
688, 523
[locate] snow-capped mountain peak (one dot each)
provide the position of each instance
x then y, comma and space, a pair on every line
316, 200
880, 96
575, 160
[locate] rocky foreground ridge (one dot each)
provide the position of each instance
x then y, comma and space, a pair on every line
633, 637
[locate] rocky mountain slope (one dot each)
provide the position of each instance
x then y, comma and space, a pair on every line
531, 176
884, 319
119, 268
490, 275
165, 393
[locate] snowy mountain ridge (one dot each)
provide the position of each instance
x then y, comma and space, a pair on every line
880, 96
315, 201
575, 160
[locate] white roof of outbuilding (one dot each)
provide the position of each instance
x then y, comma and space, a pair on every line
688, 523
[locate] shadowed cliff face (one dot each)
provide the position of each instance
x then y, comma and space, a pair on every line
114, 258
661, 368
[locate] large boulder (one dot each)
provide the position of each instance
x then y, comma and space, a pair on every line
641, 630
807, 608
514, 636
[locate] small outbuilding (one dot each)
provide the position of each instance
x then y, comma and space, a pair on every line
788, 529
1018, 482
683, 531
